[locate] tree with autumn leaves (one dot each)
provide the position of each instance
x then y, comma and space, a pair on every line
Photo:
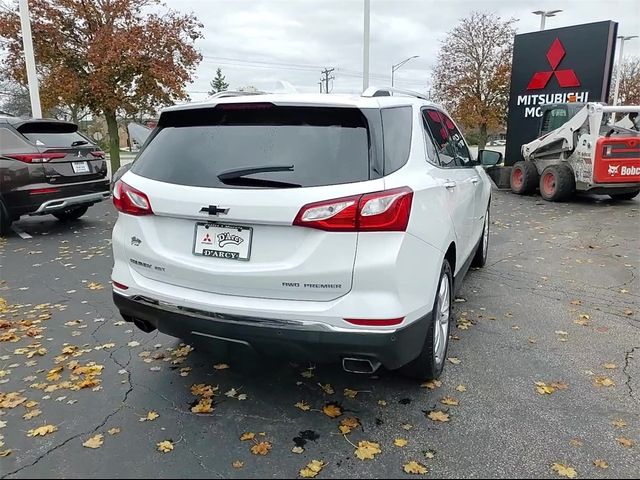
111, 56
472, 75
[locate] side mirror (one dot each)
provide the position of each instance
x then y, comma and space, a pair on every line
489, 158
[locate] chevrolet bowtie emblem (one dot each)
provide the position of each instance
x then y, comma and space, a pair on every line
214, 210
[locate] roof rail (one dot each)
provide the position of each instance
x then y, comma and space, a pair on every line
387, 91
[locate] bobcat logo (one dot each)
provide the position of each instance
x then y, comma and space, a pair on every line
613, 169
227, 238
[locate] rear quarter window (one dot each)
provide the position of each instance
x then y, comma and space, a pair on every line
397, 125
325, 146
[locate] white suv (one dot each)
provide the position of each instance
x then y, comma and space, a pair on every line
321, 227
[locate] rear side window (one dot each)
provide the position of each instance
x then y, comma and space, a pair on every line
324, 146
396, 127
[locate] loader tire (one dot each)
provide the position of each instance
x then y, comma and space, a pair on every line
557, 183
524, 178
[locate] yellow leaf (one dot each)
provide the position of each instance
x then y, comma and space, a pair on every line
610, 366
625, 442
11, 400
432, 384
42, 431
94, 286
151, 416
400, 442
221, 366
406, 426
247, 436
261, 448
450, 401
202, 390
603, 381
455, 360
332, 410
544, 389
414, 468
32, 414
601, 463
312, 469
350, 393
165, 446
438, 416
620, 423
237, 464
461, 388
430, 454
5, 453
628, 311
304, 406
54, 375
113, 431
575, 442
328, 389
31, 404
297, 450
367, 450
564, 471
203, 406
94, 442
382, 403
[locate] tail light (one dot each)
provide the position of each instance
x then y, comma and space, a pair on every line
43, 191
386, 211
120, 286
130, 200
98, 154
35, 157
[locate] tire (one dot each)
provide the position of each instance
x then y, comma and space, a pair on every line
480, 258
557, 183
5, 221
71, 214
524, 178
624, 196
430, 362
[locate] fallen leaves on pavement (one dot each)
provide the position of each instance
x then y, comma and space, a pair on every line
347, 424
42, 431
312, 469
601, 463
261, 448
165, 447
304, 406
452, 401
332, 410
151, 416
367, 450
564, 470
414, 468
603, 381
438, 416
625, 442
94, 442
400, 442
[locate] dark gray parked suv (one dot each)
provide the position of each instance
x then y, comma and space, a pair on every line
48, 167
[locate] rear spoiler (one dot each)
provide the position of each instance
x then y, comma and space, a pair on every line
45, 126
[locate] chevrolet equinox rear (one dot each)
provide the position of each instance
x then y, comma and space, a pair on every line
311, 226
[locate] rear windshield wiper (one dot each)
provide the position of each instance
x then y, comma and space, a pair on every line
244, 171
259, 183
77, 143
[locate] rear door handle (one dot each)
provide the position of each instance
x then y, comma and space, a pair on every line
449, 185
475, 180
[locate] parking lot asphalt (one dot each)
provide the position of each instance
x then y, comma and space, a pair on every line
558, 303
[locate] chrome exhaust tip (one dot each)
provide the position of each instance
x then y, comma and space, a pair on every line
359, 365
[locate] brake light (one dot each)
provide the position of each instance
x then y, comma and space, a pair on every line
36, 157
244, 106
386, 211
369, 322
130, 200
98, 154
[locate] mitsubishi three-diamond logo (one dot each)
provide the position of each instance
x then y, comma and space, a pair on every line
566, 78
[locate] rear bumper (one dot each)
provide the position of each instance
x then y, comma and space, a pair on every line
22, 201
286, 338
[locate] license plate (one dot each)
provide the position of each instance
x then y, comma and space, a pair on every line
219, 240
80, 167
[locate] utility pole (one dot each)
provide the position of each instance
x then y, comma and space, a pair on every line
365, 45
27, 45
326, 78
320, 83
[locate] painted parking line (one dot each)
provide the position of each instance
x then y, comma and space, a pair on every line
24, 235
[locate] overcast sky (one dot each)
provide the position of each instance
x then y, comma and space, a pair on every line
257, 42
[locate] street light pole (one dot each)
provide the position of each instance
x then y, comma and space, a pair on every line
365, 46
544, 14
398, 65
27, 44
618, 74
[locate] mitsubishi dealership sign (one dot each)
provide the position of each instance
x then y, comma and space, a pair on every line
556, 66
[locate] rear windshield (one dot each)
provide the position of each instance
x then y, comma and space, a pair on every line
56, 139
324, 146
